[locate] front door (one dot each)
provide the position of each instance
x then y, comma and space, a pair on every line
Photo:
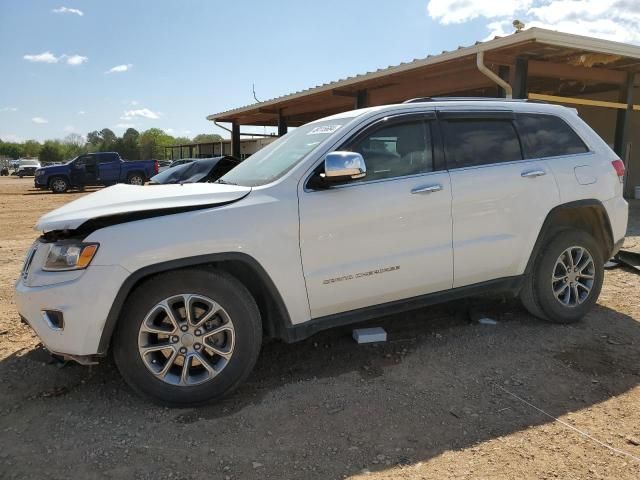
500, 200
385, 237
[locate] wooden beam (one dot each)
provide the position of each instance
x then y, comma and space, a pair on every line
559, 70
235, 140
580, 101
361, 99
622, 142
343, 93
282, 124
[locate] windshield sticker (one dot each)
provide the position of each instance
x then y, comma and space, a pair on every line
324, 129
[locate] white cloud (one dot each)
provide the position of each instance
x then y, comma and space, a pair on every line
170, 131
459, 11
8, 109
125, 125
81, 112
76, 60
11, 137
68, 10
45, 57
48, 57
69, 128
608, 19
120, 68
141, 112
39, 120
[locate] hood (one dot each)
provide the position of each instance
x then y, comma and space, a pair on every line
121, 203
53, 168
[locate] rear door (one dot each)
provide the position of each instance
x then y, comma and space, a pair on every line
108, 168
387, 236
500, 198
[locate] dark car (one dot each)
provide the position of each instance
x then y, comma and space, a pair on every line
182, 161
196, 171
102, 168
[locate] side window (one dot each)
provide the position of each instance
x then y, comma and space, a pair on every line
106, 158
396, 150
548, 136
81, 161
472, 142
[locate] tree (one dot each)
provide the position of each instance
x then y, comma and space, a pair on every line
182, 140
73, 145
94, 138
52, 151
207, 138
31, 148
108, 139
152, 143
11, 150
127, 146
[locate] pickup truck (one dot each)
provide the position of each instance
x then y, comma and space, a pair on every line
102, 168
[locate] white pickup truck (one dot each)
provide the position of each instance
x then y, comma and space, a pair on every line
344, 219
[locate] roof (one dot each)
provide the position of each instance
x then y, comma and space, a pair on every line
607, 61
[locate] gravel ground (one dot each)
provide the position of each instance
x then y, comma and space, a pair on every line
443, 398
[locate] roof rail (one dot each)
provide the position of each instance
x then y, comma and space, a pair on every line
463, 99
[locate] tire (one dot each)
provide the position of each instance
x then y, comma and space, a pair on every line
58, 185
238, 317
135, 179
553, 293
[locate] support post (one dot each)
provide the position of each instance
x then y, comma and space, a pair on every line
503, 73
521, 87
235, 140
624, 118
361, 99
282, 124
190, 151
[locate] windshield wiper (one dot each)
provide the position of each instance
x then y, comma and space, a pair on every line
224, 182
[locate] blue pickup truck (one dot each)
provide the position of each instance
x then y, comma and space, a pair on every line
103, 168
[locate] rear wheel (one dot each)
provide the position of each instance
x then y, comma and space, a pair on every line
566, 278
135, 179
58, 185
188, 337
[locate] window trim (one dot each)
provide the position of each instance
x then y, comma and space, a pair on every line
428, 120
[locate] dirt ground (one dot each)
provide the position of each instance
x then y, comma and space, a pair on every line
443, 398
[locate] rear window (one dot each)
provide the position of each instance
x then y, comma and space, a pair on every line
548, 136
476, 142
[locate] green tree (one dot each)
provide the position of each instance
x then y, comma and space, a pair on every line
108, 139
31, 148
127, 146
73, 145
182, 140
207, 138
152, 143
52, 151
11, 150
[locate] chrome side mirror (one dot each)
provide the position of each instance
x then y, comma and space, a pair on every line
344, 166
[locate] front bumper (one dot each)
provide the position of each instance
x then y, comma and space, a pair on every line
84, 302
40, 182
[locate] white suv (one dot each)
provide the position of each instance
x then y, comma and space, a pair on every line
344, 219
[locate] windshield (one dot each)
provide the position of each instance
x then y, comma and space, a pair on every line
277, 158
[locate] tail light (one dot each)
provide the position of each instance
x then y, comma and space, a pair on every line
618, 166
156, 167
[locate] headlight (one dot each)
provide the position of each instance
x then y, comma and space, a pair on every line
69, 256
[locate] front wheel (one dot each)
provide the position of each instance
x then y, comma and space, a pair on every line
566, 278
59, 185
188, 337
135, 179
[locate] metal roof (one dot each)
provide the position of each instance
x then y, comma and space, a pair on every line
534, 43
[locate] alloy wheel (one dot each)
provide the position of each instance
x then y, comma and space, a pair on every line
186, 339
573, 276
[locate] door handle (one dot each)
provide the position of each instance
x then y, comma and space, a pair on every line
427, 189
532, 173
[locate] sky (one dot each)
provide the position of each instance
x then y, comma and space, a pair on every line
82, 65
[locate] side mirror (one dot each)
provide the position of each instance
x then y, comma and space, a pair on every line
343, 167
